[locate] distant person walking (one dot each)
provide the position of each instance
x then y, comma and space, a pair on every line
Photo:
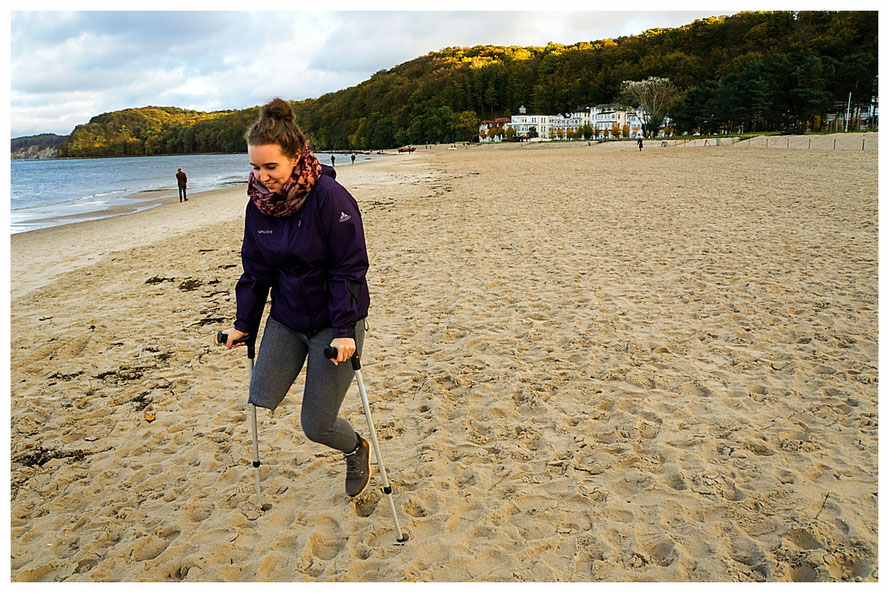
640, 142
182, 180
353, 158
332, 161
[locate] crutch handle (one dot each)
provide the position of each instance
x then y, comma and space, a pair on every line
331, 352
249, 340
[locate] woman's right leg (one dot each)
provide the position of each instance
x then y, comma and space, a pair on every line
280, 359
326, 387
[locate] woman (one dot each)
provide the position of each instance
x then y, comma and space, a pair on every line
304, 241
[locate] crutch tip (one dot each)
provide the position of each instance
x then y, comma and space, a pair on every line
402, 539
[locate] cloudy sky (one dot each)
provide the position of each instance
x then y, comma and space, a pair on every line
66, 67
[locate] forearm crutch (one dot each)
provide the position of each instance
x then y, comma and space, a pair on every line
250, 341
387, 489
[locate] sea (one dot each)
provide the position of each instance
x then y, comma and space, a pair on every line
44, 190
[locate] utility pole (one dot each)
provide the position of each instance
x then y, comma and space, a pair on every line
848, 108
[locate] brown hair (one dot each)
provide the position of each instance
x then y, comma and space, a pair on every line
276, 125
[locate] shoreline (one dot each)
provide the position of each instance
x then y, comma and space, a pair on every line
833, 141
90, 241
123, 228
586, 364
137, 200
140, 201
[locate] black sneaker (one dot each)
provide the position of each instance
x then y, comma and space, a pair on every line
358, 468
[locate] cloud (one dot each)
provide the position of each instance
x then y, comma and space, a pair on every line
66, 67
378, 40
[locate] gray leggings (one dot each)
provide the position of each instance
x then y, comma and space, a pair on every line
280, 359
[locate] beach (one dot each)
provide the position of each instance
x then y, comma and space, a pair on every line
585, 362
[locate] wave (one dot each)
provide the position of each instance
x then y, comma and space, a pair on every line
99, 195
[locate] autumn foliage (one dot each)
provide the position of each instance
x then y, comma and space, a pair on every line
752, 70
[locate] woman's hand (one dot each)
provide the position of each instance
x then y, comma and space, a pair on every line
345, 348
233, 336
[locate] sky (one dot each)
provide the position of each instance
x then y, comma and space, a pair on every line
68, 66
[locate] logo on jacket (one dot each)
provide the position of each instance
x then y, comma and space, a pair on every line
264, 231
344, 217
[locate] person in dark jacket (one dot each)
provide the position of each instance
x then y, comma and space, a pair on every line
304, 242
182, 182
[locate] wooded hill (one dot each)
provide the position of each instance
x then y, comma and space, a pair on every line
39, 146
756, 70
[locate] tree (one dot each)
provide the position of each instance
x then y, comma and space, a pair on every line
752, 70
439, 125
358, 138
655, 95
467, 125
380, 131
810, 96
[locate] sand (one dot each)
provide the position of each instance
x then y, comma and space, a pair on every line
585, 363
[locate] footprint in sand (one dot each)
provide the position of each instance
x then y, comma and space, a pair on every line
198, 512
851, 565
66, 547
672, 476
366, 504
696, 389
757, 392
658, 549
746, 551
327, 541
421, 505
803, 539
153, 545
86, 565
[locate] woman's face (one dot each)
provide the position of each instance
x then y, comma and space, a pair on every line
270, 165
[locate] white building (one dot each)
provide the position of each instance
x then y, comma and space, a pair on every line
607, 116
485, 129
547, 127
525, 125
581, 116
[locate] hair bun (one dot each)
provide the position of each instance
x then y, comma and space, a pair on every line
277, 125
277, 108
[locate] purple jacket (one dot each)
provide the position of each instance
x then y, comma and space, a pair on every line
314, 262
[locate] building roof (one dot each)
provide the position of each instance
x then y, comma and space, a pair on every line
614, 106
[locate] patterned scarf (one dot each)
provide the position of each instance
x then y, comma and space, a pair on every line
289, 199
